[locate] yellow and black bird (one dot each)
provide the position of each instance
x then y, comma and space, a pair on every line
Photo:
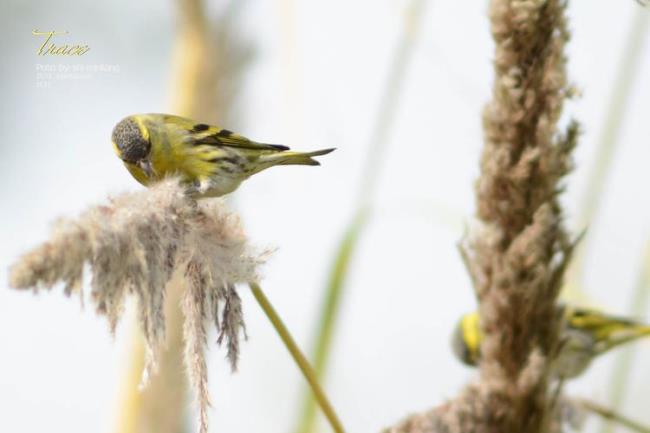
211, 161
585, 334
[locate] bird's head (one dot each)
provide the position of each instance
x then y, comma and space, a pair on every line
466, 339
132, 144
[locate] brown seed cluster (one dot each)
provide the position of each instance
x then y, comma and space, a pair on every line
517, 250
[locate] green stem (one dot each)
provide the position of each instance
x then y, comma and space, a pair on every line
613, 416
626, 77
329, 314
621, 372
378, 141
389, 102
624, 83
298, 357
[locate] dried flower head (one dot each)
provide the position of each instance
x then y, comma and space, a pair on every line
134, 245
518, 250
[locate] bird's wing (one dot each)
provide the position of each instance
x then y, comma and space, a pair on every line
224, 137
202, 133
608, 331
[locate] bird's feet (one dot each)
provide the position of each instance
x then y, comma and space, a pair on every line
199, 187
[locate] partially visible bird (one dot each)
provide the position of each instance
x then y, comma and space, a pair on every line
211, 161
585, 334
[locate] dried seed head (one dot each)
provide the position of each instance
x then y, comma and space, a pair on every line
134, 245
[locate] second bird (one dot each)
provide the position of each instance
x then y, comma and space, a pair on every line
210, 160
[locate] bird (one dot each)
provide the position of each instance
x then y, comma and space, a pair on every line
210, 161
585, 334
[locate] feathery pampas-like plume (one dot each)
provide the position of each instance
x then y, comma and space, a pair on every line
133, 246
518, 250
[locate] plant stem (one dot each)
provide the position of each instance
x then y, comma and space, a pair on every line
621, 92
329, 313
390, 100
371, 173
160, 408
613, 416
621, 373
298, 357
131, 398
626, 77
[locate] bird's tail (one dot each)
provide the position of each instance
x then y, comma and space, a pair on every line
293, 158
625, 335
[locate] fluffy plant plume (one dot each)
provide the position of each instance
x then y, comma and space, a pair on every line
517, 251
133, 245
518, 255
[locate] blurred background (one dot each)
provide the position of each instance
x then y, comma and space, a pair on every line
401, 81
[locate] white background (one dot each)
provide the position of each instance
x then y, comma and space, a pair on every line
59, 367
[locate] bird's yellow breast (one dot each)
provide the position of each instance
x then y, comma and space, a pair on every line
174, 153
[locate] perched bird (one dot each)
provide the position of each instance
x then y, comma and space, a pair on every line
585, 335
211, 161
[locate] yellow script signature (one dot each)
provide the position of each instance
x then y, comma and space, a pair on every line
58, 50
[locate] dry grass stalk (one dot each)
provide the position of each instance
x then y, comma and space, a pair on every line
518, 251
161, 406
210, 56
208, 60
134, 245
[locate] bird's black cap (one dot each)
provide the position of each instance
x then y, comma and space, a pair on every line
128, 138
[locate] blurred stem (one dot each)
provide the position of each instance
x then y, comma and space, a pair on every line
370, 174
622, 369
293, 112
193, 72
298, 357
329, 313
131, 398
613, 416
624, 82
618, 101
161, 407
401, 60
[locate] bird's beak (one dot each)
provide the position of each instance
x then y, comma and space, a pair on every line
145, 165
